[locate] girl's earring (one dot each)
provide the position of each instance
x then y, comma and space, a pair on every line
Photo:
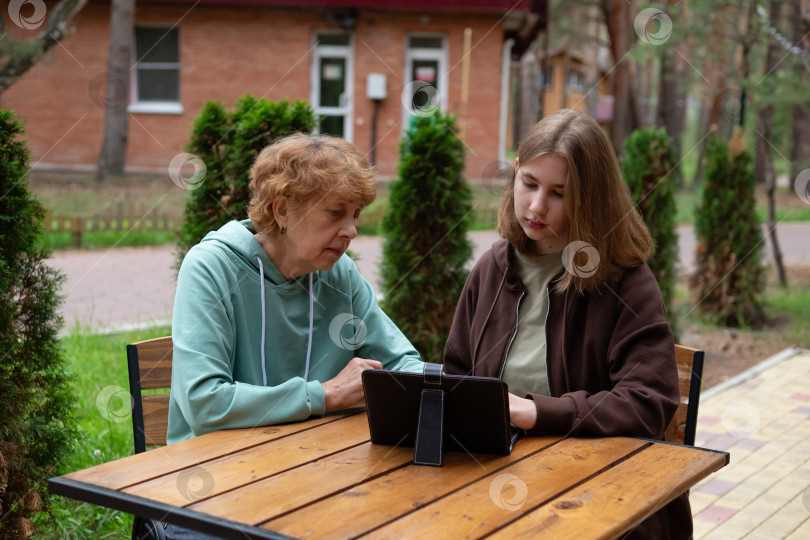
283, 229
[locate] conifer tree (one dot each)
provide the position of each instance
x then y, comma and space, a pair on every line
647, 167
36, 427
227, 143
728, 279
425, 229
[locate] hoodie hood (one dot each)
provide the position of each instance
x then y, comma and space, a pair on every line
502, 259
238, 237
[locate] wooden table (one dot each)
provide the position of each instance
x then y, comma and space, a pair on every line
323, 478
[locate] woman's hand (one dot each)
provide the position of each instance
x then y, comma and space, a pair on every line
347, 387
522, 412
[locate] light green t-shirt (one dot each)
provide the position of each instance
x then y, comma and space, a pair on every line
525, 370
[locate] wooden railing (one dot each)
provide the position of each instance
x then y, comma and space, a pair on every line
122, 218
128, 217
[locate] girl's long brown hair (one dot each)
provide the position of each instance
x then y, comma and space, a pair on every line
597, 201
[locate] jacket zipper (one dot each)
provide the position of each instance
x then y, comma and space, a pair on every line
514, 333
545, 331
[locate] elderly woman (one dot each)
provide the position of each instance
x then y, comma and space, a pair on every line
272, 321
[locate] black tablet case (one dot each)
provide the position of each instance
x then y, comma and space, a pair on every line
434, 412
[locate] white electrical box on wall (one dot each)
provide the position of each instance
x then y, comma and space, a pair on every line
375, 86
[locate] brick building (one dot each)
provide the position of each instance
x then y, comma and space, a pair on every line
189, 52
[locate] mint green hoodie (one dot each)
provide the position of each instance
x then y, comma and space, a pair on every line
227, 373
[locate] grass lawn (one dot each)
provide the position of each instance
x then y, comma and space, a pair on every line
98, 371
788, 206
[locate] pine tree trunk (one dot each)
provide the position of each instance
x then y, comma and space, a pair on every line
800, 152
592, 62
763, 152
112, 157
763, 168
671, 111
726, 23
626, 116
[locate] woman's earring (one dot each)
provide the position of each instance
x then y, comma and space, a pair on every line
283, 229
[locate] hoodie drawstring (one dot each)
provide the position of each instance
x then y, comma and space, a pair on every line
264, 323
311, 320
261, 281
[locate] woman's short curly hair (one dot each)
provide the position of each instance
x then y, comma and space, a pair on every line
304, 168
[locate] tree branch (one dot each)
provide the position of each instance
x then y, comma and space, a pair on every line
55, 30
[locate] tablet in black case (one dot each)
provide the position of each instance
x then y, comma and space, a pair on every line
458, 412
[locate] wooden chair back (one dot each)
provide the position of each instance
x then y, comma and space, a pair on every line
150, 368
690, 370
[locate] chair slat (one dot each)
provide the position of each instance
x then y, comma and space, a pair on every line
684, 358
676, 431
155, 362
155, 418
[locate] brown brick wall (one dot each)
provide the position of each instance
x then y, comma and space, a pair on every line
226, 53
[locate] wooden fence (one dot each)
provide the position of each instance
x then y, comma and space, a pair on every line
123, 218
130, 217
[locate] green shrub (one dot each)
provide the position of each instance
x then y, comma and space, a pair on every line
425, 229
647, 167
228, 143
36, 428
728, 279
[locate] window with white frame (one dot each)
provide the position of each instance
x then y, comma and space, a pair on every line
156, 77
576, 80
425, 81
332, 84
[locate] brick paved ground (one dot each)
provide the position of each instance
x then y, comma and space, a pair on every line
116, 288
764, 422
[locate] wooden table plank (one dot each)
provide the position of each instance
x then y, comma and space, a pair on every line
659, 473
184, 487
287, 491
323, 478
139, 467
358, 510
485, 505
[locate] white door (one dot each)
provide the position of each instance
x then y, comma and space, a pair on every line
332, 84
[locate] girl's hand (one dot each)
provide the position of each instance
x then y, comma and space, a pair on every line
346, 388
522, 412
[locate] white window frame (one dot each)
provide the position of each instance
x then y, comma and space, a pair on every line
154, 107
420, 53
347, 99
576, 80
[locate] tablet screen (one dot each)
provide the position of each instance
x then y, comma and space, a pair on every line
476, 410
